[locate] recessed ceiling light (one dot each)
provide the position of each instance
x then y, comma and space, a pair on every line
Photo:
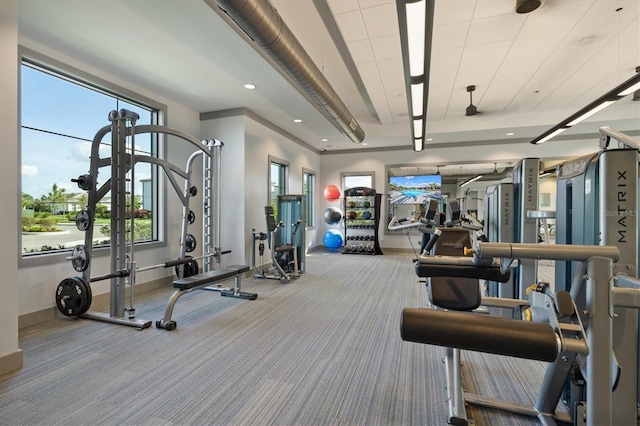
429, 140
510, 134
364, 144
297, 120
249, 86
325, 140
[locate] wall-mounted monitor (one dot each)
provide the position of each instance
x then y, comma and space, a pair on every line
414, 189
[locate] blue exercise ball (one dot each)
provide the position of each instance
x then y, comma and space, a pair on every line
332, 239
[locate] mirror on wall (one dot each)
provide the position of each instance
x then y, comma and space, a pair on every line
409, 186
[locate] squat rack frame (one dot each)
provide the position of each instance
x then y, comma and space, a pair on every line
122, 163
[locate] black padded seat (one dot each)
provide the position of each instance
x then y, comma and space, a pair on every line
204, 278
240, 268
455, 293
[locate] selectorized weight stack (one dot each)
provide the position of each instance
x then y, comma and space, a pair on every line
597, 204
73, 295
511, 215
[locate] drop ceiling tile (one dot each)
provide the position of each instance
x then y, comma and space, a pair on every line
446, 58
449, 37
381, 20
342, 6
493, 53
364, 4
453, 11
604, 13
393, 85
386, 47
438, 76
493, 29
559, 17
491, 8
352, 26
391, 67
361, 51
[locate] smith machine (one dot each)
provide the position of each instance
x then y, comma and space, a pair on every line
73, 295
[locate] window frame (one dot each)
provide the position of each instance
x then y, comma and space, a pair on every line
344, 175
310, 195
85, 79
284, 175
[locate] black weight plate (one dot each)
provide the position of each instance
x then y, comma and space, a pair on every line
189, 243
89, 296
73, 296
190, 268
81, 261
82, 220
191, 217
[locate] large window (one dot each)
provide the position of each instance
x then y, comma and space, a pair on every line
60, 116
309, 191
277, 181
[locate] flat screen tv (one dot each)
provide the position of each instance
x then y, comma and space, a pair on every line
414, 189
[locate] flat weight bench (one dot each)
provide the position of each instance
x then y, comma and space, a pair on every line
205, 281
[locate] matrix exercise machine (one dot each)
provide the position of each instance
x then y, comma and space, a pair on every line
284, 258
561, 332
597, 205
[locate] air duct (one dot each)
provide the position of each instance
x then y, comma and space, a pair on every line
262, 23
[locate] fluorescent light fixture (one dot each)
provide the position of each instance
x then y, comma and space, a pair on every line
416, 27
297, 120
417, 104
630, 90
590, 113
417, 128
599, 104
416, 30
429, 139
473, 179
249, 86
550, 136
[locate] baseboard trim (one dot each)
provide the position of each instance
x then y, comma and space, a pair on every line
11, 362
49, 314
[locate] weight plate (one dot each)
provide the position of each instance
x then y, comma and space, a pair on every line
193, 190
89, 298
82, 220
189, 268
73, 296
189, 243
191, 217
79, 259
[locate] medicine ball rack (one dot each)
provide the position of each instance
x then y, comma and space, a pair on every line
361, 221
74, 295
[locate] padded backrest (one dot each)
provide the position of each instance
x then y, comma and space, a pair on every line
459, 294
271, 218
271, 223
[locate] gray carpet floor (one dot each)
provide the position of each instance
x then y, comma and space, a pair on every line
321, 350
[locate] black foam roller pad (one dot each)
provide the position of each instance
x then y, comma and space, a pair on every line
490, 273
480, 333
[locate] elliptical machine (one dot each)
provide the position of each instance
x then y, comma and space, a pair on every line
284, 258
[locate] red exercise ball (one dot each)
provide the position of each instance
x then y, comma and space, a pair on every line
332, 193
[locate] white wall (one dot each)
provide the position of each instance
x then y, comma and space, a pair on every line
9, 187
333, 164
